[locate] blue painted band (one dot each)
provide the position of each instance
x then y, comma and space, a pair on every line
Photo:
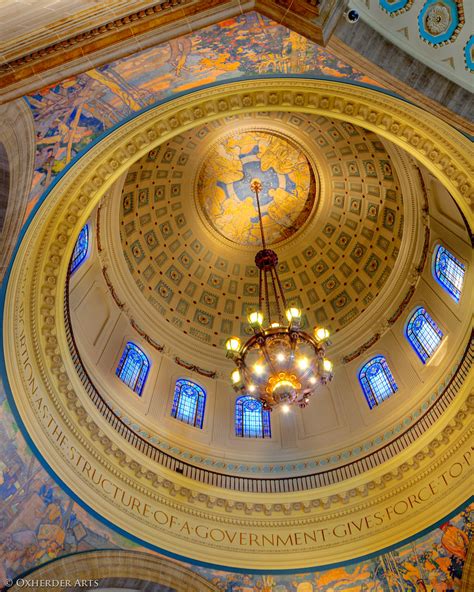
394, 6
468, 53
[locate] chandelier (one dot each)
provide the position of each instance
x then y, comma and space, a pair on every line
280, 364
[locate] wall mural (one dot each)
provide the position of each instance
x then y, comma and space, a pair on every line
71, 114
225, 197
40, 522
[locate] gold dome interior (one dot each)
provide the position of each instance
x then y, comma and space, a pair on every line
336, 246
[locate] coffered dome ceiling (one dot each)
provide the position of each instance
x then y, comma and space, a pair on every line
332, 209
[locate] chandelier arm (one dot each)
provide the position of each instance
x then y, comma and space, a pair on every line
266, 355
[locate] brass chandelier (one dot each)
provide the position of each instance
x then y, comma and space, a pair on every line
280, 364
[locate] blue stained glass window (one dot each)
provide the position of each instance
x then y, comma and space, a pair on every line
449, 272
189, 402
377, 381
81, 249
133, 367
423, 334
251, 419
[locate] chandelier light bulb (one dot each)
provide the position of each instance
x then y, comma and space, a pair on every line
233, 344
293, 314
275, 325
327, 365
321, 334
235, 377
252, 388
258, 369
280, 357
285, 408
303, 363
255, 319
313, 380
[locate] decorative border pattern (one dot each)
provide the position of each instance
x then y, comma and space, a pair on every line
95, 33
395, 7
468, 53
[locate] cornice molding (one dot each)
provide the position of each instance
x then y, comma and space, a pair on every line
151, 23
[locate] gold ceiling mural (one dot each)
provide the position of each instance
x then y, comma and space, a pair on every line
333, 269
288, 187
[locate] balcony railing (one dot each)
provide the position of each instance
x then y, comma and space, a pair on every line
269, 484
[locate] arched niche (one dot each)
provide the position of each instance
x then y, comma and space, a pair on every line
17, 153
113, 569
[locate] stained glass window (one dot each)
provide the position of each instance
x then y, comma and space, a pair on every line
133, 367
377, 381
449, 272
423, 334
251, 419
189, 402
81, 248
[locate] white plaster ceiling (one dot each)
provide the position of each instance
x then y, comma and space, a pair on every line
402, 28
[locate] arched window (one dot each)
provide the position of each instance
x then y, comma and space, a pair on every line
251, 419
423, 334
189, 402
133, 367
81, 248
377, 381
449, 272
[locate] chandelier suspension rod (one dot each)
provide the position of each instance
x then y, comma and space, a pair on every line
256, 186
267, 297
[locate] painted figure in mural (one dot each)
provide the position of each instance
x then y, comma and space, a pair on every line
8, 483
71, 114
286, 198
454, 540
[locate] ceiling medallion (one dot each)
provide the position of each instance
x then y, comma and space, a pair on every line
288, 193
280, 363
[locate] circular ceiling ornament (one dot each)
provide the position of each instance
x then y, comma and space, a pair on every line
223, 188
440, 21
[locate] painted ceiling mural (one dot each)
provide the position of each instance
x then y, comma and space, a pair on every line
40, 522
287, 194
71, 114
347, 252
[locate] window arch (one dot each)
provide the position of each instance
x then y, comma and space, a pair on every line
449, 272
189, 402
377, 381
81, 248
423, 334
133, 367
251, 419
